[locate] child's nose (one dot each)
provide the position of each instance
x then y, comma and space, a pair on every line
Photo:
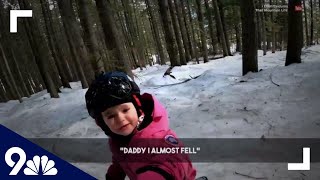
120, 117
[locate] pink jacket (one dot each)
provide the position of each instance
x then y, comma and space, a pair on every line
147, 166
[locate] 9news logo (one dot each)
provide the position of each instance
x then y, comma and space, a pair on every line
20, 158
36, 166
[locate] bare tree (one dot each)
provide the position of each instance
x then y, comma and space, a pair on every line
39, 49
90, 37
202, 32
211, 31
182, 29
295, 32
12, 80
249, 37
156, 32
177, 33
112, 36
168, 31
306, 23
55, 50
220, 28
75, 41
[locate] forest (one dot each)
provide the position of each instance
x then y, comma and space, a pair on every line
75, 40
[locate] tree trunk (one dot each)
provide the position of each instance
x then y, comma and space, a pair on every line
237, 30
113, 36
259, 29
273, 34
195, 49
61, 42
294, 33
306, 23
12, 80
263, 24
211, 29
249, 37
141, 38
75, 42
40, 49
90, 37
4, 96
182, 29
56, 54
22, 81
225, 32
188, 31
220, 28
311, 23
135, 39
202, 32
168, 32
6, 83
177, 33
156, 32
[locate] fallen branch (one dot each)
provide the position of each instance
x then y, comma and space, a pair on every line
272, 80
245, 175
178, 82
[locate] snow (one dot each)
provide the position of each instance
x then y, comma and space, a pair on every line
278, 101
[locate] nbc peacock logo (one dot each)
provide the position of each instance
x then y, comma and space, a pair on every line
47, 166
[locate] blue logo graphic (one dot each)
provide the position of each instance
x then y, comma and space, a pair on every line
22, 159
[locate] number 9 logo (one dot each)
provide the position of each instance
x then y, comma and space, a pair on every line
16, 165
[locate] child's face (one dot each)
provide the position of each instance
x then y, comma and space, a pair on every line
121, 119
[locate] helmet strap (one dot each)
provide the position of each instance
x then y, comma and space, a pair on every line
139, 108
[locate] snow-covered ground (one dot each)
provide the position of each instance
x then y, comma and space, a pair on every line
278, 101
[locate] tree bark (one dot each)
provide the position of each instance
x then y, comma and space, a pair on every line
237, 30
295, 32
177, 33
202, 32
195, 49
12, 80
156, 30
113, 36
4, 96
22, 81
211, 29
306, 23
220, 28
75, 42
249, 37
60, 40
264, 45
168, 32
141, 38
56, 54
39, 48
311, 23
132, 29
183, 30
273, 34
90, 37
224, 27
259, 29
188, 31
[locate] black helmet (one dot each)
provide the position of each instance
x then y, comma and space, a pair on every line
109, 89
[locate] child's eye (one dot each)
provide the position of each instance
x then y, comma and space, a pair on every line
126, 110
110, 116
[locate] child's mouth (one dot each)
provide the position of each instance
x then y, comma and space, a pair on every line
123, 127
